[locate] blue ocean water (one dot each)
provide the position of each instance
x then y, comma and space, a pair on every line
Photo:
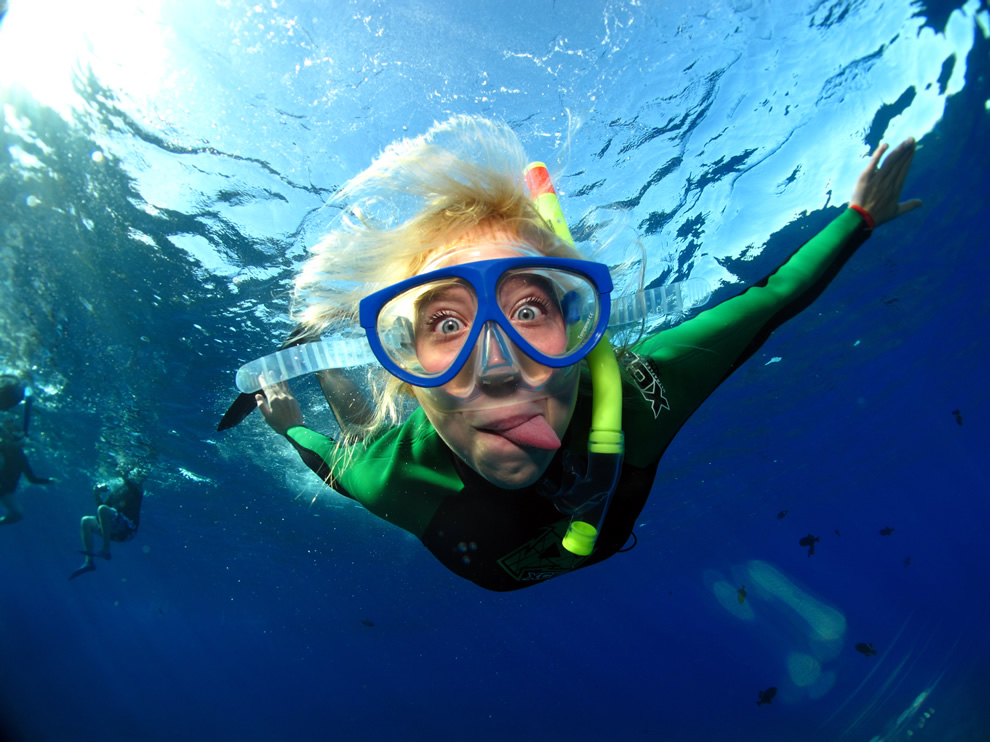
165, 167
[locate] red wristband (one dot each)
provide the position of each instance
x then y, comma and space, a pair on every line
870, 224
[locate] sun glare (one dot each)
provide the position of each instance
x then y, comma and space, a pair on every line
43, 41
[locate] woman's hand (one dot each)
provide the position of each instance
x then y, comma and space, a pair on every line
279, 408
878, 189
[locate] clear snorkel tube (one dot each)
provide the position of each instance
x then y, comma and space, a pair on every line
302, 359
587, 498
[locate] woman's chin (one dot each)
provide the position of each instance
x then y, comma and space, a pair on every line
516, 481
508, 465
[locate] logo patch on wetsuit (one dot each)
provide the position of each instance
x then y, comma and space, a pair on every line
542, 558
645, 375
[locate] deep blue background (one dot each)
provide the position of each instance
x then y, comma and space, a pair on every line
254, 606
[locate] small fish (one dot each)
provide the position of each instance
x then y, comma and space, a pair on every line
958, 416
837, 532
886, 531
766, 696
741, 594
367, 622
781, 514
907, 561
809, 541
866, 650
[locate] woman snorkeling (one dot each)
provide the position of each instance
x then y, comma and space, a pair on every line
534, 444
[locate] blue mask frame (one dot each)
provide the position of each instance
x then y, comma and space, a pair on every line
483, 276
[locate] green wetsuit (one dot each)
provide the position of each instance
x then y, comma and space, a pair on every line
509, 539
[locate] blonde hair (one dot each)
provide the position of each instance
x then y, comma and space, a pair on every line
419, 197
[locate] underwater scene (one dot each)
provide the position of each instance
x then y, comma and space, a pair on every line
809, 564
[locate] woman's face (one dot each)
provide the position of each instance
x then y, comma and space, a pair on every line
508, 433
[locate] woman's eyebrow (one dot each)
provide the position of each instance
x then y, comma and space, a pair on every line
525, 280
447, 292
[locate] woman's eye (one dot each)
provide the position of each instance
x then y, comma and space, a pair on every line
528, 313
449, 325
442, 323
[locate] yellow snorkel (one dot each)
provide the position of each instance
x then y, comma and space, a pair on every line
587, 499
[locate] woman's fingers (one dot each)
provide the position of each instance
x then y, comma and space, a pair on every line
907, 206
878, 189
875, 159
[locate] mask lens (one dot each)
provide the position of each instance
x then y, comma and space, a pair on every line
424, 328
552, 311
555, 311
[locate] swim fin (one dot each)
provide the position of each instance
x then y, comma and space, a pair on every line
243, 406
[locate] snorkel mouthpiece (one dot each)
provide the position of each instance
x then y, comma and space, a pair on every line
587, 499
593, 492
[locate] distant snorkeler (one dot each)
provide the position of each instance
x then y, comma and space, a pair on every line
13, 391
118, 514
535, 443
13, 464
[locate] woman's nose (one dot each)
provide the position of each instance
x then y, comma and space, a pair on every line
497, 364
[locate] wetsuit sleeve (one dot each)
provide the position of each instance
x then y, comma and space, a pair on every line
316, 451
31, 476
697, 355
35, 479
401, 476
